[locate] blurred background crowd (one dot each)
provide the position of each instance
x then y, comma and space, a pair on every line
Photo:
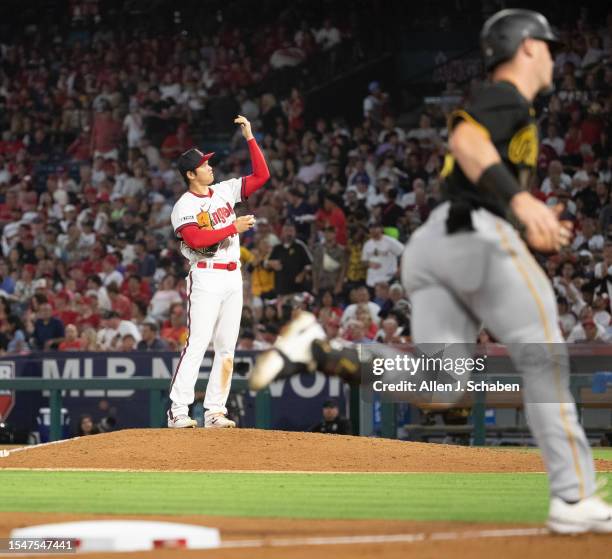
96, 103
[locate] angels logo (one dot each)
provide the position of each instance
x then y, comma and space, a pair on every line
207, 219
204, 220
7, 397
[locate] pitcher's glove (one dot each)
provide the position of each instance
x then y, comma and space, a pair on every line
207, 252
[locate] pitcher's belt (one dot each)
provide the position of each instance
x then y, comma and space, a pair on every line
229, 266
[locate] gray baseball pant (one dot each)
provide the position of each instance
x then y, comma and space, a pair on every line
487, 277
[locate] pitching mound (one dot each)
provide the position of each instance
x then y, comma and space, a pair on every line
257, 450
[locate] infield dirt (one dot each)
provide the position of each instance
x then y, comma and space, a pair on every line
254, 529
273, 451
269, 451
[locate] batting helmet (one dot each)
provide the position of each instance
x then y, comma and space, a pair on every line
503, 33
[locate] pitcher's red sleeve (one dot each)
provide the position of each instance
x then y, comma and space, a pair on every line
260, 175
200, 238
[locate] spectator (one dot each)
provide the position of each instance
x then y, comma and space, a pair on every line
46, 331
587, 330
381, 254
363, 316
328, 36
88, 313
375, 104
163, 299
150, 338
114, 330
89, 340
603, 269
300, 212
294, 110
328, 308
262, 276
556, 179
362, 298
174, 332
567, 319
105, 134
71, 342
290, 261
329, 263
109, 273
593, 333
119, 303
177, 143
87, 426
311, 170
588, 238
248, 342
133, 126
128, 343
390, 332
425, 134
554, 140
146, 261
332, 421
330, 215
15, 336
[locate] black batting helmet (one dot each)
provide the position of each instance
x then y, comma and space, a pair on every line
503, 33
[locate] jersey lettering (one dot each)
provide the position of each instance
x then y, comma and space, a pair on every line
221, 215
523, 147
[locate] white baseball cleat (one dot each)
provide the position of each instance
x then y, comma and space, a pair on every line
218, 421
181, 422
292, 346
592, 514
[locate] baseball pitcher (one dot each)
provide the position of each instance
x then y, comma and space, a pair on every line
204, 219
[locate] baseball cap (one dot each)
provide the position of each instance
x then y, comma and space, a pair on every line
191, 160
331, 403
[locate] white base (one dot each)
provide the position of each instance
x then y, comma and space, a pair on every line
125, 535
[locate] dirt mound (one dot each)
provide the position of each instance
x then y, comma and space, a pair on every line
248, 449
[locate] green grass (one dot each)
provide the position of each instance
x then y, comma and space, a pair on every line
601, 453
458, 497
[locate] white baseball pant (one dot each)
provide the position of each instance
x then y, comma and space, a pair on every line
214, 310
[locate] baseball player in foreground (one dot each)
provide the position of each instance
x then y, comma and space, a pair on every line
204, 219
469, 266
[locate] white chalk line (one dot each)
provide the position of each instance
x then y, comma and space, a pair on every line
6, 453
308, 472
389, 538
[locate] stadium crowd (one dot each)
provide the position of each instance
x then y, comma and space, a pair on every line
87, 183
